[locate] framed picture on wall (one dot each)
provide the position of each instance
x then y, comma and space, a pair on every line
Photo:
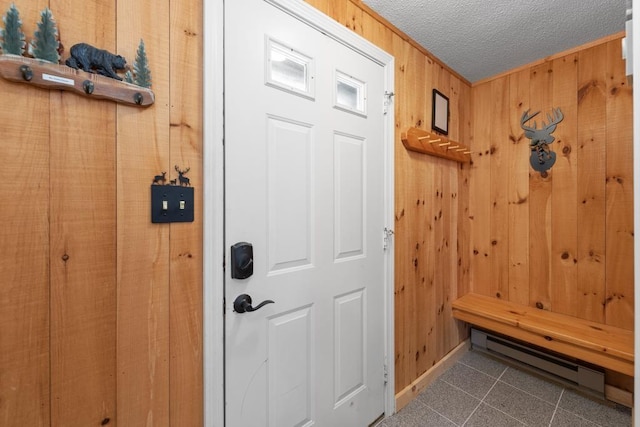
440, 117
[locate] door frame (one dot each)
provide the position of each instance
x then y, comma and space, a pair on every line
213, 193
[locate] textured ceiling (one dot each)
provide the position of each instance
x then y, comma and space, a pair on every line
482, 38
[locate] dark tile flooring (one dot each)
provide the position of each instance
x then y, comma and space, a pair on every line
481, 391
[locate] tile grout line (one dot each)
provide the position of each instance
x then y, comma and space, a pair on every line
529, 393
426, 405
557, 406
482, 372
433, 410
484, 397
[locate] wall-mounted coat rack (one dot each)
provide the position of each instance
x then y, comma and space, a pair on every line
54, 76
433, 144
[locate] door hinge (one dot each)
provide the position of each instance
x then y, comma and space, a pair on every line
388, 99
386, 237
386, 374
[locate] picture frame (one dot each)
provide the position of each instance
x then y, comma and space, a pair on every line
440, 115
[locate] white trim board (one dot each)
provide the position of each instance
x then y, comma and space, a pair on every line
213, 150
213, 213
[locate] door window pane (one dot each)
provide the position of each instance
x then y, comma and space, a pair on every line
289, 69
350, 94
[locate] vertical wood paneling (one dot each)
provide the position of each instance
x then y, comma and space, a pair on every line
619, 193
443, 264
564, 227
186, 332
354, 18
452, 194
455, 333
571, 236
24, 266
448, 260
97, 329
479, 190
456, 119
423, 277
499, 160
143, 247
403, 290
518, 190
83, 215
540, 98
416, 72
436, 243
591, 182
374, 30
463, 237
337, 10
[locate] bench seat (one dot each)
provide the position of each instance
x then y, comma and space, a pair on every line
602, 345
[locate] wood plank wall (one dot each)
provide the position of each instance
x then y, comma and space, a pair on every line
562, 242
431, 200
100, 310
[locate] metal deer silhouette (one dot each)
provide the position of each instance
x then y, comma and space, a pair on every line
542, 158
181, 178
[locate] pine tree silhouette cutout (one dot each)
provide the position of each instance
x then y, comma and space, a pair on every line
45, 44
141, 67
128, 76
12, 36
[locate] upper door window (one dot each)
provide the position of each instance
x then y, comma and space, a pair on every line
289, 69
350, 94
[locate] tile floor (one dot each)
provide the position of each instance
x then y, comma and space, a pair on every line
481, 391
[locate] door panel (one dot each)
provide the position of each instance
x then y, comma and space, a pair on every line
291, 372
349, 346
350, 196
289, 192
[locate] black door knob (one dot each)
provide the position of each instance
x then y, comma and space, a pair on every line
242, 304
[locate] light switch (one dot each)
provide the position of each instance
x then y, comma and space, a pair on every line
171, 203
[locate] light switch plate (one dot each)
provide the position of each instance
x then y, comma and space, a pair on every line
177, 200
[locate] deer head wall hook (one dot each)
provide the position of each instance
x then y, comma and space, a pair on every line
542, 158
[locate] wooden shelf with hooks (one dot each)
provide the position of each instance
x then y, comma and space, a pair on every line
433, 144
47, 75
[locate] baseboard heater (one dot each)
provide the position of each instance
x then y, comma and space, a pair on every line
553, 367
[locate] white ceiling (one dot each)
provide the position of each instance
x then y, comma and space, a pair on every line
482, 38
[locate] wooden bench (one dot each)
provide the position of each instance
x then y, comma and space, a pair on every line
602, 345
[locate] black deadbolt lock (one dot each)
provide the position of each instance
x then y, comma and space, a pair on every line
241, 260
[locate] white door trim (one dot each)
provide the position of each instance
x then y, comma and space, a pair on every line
213, 194
213, 213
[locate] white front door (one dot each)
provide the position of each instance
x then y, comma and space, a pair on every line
304, 185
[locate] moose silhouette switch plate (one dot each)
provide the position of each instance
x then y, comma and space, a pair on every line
171, 203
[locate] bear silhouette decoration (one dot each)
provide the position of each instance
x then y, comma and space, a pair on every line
91, 59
